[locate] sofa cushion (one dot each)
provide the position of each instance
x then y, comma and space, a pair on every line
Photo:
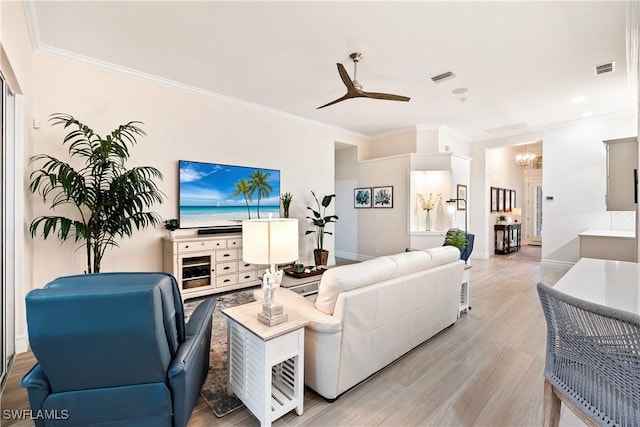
443, 255
412, 261
352, 276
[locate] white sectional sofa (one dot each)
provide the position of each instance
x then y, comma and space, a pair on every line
368, 314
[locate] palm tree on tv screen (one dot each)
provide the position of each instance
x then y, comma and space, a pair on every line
243, 187
259, 182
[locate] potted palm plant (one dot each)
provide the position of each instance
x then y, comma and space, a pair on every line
108, 199
320, 220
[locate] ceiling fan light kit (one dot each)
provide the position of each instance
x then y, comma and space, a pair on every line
354, 88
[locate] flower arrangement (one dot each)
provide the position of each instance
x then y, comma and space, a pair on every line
429, 203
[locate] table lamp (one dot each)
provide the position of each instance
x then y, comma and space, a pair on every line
516, 212
269, 242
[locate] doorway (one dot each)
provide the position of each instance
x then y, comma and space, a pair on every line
533, 214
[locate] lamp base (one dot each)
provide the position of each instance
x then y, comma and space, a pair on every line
272, 314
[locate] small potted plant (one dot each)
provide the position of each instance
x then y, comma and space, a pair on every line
320, 220
501, 219
286, 202
171, 225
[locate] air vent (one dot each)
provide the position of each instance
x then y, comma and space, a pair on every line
608, 67
442, 77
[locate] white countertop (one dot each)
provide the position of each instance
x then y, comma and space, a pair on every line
608, 233
612, 283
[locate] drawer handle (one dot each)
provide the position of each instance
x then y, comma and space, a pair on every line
226, 255
227, 267
234, 243
213, 269
247, 265
247, 277
186, 247
227, 280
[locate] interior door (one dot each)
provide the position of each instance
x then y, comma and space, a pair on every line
533, 221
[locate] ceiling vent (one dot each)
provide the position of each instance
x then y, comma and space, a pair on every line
442, 77
608, 67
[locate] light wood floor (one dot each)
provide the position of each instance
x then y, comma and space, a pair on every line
486, 370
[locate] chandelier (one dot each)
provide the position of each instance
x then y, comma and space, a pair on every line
525, 160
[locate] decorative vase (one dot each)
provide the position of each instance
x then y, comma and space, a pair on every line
321, 256
286, 211
427, 220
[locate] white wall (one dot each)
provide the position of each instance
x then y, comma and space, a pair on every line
573, 173
18, 56
179, 125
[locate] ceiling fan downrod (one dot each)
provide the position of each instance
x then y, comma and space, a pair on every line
356, 56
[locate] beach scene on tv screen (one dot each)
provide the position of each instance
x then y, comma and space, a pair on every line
213, 194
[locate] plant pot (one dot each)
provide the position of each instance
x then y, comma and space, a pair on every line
321, 256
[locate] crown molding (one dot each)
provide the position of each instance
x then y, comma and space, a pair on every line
192, 90
41, 48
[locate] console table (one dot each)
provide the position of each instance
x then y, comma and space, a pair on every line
265, 363
507, 238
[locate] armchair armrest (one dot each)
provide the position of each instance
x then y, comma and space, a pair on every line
190, 365
38, 388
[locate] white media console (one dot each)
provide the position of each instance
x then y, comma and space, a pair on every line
208, 264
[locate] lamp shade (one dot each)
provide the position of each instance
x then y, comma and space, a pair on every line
270, 241
516, 211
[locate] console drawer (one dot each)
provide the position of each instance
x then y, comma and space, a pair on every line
228, 255
201, 246
226, 280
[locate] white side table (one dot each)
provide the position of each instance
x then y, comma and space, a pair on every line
464, 290
265, 364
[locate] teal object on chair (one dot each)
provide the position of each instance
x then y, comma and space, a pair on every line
113, 350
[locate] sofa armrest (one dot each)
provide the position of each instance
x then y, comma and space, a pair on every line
292, 301
190, 365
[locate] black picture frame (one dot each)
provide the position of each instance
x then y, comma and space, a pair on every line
513, 199
362, 197
501, 199
507, 200
493, 196
383, 197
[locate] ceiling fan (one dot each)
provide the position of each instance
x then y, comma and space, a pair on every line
354, 89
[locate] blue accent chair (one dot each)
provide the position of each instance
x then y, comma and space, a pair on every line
113, 350
465, 252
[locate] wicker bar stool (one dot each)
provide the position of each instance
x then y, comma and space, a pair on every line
592, 361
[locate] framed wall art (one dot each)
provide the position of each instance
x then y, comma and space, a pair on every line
362, 197
494, 199
507, 200
500, 199
461, 191
513, 199
383, 197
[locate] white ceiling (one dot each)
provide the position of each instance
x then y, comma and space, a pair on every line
523, 62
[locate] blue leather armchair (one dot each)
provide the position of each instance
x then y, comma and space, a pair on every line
113, 350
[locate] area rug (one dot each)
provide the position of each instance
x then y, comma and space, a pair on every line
214, 390
527, 254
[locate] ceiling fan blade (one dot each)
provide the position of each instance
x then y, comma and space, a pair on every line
345, 77
386, 96
347, 96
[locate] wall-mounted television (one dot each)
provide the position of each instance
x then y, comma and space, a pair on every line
214, 195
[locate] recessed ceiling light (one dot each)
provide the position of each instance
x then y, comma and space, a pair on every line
459, 91
579, 98
587, 114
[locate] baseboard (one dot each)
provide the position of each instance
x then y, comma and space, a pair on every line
480, 255
22, 344
562, 265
